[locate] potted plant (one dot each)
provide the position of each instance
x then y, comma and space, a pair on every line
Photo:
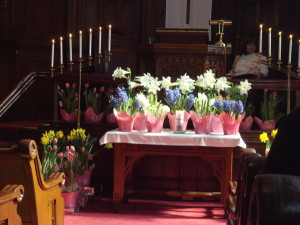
268, 111
68, 103
93, 102
268, 139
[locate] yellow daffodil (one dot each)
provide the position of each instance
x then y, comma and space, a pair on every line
60, 134
264, 137
69, 138
274, 132
109, 145
44, 140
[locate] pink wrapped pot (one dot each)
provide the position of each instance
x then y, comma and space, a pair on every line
246, 124
91, 117
68, 117
172, 121
154, 124
231, 125
200, 123
111, 118
268, 125
140, 122
70, 199
84, 180
125, 122
215, 124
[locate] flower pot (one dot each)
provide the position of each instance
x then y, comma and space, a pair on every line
246, 124
231, 125
268, 125
140, 122
125, 122
111, 118
215, 124
154, 124
84, 180
68, 117
91, 117
172, 121
70, 199
200, 123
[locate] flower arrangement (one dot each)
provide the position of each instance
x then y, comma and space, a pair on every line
268, 139
93, 98
269, 105
69, 98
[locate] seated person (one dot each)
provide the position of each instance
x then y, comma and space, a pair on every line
248, 64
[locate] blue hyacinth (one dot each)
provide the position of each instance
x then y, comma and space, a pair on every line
219, 105
239, 107
136, 104
122, 95
189, 102
115, 101
227, 106
173, 96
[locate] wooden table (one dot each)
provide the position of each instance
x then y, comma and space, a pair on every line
130, 146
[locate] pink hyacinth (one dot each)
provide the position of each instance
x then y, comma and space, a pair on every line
60, 155
83, 149
54, 148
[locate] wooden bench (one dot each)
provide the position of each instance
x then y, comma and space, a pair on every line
10, 195
42, 203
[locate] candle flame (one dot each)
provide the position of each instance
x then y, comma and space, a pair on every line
109, 26
299, 41
260, 26
80, 32
70, 35
100, 28
91, 30
280, 33
291, 36
270, 29
61, 38
53, 41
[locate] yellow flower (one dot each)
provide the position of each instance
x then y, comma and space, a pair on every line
45, 140
274, 132
60, 134
264, 137
51, 134
69, 138
109, 146
78, 134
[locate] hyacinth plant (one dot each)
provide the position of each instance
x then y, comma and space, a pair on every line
53, 146
93, 98
232, 108
269, 105
69, 98
203, 106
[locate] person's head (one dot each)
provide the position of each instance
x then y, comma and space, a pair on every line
249, 46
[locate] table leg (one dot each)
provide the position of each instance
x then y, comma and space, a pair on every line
118, 173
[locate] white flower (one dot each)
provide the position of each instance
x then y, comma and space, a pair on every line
186, 84
153, 86
143, 100
165, 109
221, 84
212, 102
133, 85
166, 83
145, 79
199, 81
120, 73
202, 98
207, 80
244, 87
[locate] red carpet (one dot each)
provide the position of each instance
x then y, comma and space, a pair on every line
148, 212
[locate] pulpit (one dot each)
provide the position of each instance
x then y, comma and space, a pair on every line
181, 51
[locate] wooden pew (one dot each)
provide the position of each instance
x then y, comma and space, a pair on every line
42, 204
10, 195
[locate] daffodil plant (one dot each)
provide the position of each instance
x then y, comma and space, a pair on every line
268, 139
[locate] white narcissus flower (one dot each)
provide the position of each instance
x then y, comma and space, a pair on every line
143, 100
166, 83
199, 81
186, 84
120, 73
221, 84
153, 86
145, 79
244, 87
133, 85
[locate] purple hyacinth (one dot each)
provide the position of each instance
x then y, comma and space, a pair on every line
219, 105
173, 96
136, 104
227, 106
115, 101
122, 95
189, 102
239, 107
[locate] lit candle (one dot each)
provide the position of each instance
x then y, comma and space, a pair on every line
270, 42
260, 38
52, 55
80, 44
90, 42
109, 38
61, 51
100, 40
299, 54
70, 47
290, 49
279, 46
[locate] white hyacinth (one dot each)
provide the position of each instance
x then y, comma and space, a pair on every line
166, 83
120, 73
142, 99
221, 84
201, 99
244, 87
165, 109
185, 84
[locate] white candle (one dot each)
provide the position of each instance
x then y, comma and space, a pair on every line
80, 44
90, 42
52, 54
270, 42
70, 47
61, 51
299, 54
290, 49
260, 38
100, 40
109, 38
279, 46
